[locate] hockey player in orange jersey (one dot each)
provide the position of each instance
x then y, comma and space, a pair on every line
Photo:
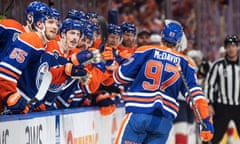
128, 45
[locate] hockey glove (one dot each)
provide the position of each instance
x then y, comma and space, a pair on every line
108, 54
75, 71
16, 104
207, 132
106, 104
86, 57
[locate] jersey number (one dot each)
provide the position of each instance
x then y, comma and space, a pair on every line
18, 54
154, 70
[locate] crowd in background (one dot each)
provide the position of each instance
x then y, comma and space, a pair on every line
206, 22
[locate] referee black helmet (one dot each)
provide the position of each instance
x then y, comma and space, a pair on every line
231, 39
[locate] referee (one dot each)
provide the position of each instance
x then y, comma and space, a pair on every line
222, 89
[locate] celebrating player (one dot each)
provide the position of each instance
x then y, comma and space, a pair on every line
154, 81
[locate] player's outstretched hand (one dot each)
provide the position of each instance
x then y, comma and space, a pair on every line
86, 57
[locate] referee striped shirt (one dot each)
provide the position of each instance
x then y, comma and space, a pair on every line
222, 84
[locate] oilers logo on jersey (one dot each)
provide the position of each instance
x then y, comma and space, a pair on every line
43, 68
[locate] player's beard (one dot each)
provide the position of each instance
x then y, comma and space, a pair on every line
50, 36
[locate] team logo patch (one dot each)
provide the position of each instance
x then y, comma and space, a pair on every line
43, 68
88, 55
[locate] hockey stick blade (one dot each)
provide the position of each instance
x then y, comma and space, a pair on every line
46, 81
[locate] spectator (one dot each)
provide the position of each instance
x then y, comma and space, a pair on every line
143, 37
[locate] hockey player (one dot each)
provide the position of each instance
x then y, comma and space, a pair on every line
10, 28
154, 81
21, 71
61, 67
128, 46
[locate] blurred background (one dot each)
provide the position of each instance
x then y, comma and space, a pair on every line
206, 22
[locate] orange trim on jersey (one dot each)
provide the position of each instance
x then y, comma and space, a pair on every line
171, 105
74, 59
121, 129
192, 94
152, 100
10, 73
119, 79
33, 39
12, 24
197, 92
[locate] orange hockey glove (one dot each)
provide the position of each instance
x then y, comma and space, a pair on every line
16, 104
207, 132
106, 104
108, 54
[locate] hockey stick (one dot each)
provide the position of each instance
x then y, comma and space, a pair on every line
104, 32
46, 81
195, 108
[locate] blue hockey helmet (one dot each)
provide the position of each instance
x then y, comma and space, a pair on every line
76, 14
114, 29
32, 7
41, 13
71, 24
88, 33
91, 15
128, 27
172, 33
92, 25
55, 14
